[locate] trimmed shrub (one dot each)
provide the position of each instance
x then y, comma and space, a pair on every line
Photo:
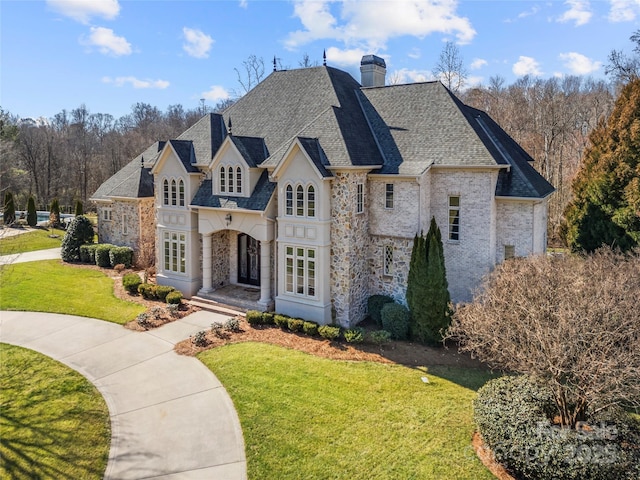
88, 253
310, 328
217, 329
330, 332
79, 232
254, 317
162, 291
395, 320
32, 214
102, 255
143, 320
131, 282
173, 309
267, 318
79, 209
374, 306
200, 339
174, 297
295, 324
354, 335
513, 415
118, 255
232, 325
147, 290
157, 313
9, 210
380, 337
281, 320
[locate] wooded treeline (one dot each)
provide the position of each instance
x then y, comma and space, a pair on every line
69, 156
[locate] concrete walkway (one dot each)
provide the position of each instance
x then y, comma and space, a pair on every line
48, 254
170, 416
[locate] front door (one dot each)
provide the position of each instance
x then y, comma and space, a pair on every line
248, 260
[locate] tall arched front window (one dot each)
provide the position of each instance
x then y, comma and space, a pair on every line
238, 180
223, 184
289, 200
181, 192
165, 192
230, 178
311, 201
299, 201
173, 193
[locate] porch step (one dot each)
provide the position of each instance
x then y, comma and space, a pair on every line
212, 306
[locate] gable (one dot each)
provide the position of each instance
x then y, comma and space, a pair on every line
177, 158
303, 161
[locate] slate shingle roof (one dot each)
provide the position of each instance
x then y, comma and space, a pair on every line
186, 153
257, 201
134, 180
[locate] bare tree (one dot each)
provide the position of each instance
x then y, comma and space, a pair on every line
305, 61
450, 68
571, 322
622, 67
251, 73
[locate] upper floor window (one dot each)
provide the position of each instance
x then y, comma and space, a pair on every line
230, 179
360, 198
311, 201
223, 183
454, 219
181, 192
174, 193
299, 201
107, 214
388, 198
305, 201
289, 200
238, 180
165, 192
125, 224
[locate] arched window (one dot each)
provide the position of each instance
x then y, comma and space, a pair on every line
230, 179
299, 201
173, 193
238, 180
289, 200
223, 187
181, 192
165, 190
311, 201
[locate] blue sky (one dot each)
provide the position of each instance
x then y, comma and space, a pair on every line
110, 54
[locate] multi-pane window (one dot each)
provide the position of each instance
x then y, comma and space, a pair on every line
300, 271
299, 201
223, 182
388, 198
289, 200
238, 180
174, 193
230, 178
125, 224
181, 192
107, 214
165, 190
174, 250
311, 201
388, 260
454, 219
360, 198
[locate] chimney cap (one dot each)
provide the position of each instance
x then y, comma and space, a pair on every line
373, 60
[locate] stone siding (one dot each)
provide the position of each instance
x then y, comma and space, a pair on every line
112, 231
394, 285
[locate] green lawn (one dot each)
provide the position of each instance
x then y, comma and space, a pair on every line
50, 286
53, 422
305, 417
30, 241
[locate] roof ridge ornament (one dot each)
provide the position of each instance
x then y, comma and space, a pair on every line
229, 126
274, 64
324, 57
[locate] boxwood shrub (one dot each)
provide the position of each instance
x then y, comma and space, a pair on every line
295, 324
130, 282
395, 320
513, 415
88, 253
354, 335
267, 318
162, 291
281, 320
121, 255
374, 306
330, 332
254, 317
174, 297
102, 255
310, 328
147, 290
380, 337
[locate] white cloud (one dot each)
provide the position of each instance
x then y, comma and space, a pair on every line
578, 64
405, 75
478, 63
526, 66
216, 93
369, 25
243, 4
107, 42
83, 10
527, 13
197, 43
137, 83
415, 53
344, 58
579, 12
624, 10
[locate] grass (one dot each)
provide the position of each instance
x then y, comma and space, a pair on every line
50, 286
30, 241
53, 422
305, 417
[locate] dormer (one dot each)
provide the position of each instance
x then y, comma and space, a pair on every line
234, 167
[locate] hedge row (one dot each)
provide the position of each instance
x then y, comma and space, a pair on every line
330, 332
106, 255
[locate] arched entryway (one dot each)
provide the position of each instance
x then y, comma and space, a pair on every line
248, 260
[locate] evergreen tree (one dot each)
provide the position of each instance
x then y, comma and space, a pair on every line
9, 213
32, 215
427, 289
79, 209
606, 205
80, 232
54, 213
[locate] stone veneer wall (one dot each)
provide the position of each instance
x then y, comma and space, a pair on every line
394, 285
147, 225
349, 245
111, 231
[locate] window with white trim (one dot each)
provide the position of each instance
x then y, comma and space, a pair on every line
388, 196
388, 260
288, 200
300, 271
230, 179
174, 193
238, 180
223, 183
181, 192
107, 214
311, 201
299, 201
360, 198
125, 224
165, 192
174, 251
454, 218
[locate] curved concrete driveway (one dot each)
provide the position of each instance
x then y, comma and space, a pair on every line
170, 416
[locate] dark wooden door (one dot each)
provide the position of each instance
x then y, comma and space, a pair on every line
248, 260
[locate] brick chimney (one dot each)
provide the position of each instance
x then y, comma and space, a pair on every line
373, 71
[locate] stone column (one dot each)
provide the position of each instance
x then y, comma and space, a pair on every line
265, 275
206, 263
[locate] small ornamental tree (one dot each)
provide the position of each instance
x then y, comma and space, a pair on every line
9, 214
572, 323
427, 288
32, 214
79, 232
79, 209
54, 213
